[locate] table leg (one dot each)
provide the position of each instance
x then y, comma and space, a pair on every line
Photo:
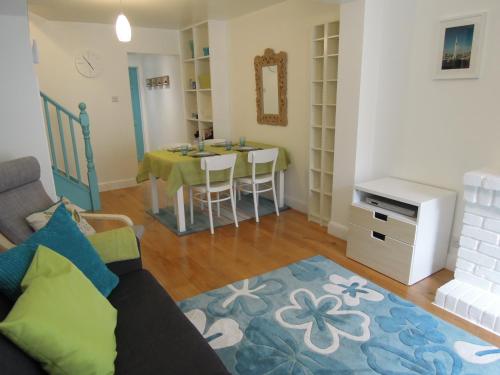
154, 194
181, 217
281, 188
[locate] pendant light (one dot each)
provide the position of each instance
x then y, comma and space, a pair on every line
123, 30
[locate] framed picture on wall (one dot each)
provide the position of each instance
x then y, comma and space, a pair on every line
460, 42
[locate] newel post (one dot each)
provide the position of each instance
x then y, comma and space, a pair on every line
91, 173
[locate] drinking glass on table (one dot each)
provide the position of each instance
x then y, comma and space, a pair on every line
228, 144
201, 146
184, 150
242, 141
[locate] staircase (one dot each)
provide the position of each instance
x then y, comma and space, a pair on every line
67, 165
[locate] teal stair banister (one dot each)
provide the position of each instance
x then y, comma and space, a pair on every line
64, 144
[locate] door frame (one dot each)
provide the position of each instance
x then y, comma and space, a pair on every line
140, 146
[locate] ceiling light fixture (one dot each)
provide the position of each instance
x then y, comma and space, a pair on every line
123, 29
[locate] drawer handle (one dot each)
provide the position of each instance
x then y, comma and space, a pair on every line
378, 236
380, 216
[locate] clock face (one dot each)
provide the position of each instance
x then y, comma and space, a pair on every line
88, 63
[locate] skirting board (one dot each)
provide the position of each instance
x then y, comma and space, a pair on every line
118, 184
296, 204
338, 230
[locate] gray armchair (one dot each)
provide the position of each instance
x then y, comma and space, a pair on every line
22, 193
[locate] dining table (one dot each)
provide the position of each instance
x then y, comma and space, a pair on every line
178, 170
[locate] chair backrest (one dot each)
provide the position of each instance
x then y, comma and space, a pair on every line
21, 194
269, 155
214, 141
218, 163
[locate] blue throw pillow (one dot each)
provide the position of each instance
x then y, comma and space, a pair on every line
62, 235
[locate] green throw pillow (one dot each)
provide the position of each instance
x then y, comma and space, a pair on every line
61, 319
115, 245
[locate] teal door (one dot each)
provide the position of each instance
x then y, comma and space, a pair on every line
136, 110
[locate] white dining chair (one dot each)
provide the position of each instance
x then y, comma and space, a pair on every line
253, 184
214, 141
203, 193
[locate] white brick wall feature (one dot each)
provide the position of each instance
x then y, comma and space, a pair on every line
492, 225
481, 234
474, 178
444, 290
488, 274
490, 315
496, 200
480, 305
490, 250
465, 265
453, 296
485, 197
495, 289
477, 258
473, 280
474, 220
491, 182
469, 243
470, 194
474, 294
465, 301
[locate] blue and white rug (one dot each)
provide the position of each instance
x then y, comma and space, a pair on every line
316, 317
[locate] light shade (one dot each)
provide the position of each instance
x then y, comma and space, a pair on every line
123, 30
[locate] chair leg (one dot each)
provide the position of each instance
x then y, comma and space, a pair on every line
191, 204
275, 200
218, 204
255, 202
174, 204
210, 217
233, 205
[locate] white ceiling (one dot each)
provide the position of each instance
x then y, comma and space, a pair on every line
171, 14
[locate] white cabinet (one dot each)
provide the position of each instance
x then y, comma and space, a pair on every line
406, 236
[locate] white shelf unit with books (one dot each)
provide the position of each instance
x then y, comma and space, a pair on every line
204, 74
325, 54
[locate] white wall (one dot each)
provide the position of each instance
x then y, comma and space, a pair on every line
111, 124
284, 27
421, 129
21, 127
163, 120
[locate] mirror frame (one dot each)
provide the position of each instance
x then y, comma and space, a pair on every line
280, 60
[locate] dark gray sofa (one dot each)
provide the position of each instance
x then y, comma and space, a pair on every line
153, 336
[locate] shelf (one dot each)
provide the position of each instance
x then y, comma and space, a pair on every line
204, 90
331, 105
316, 126
189, 60
205, 120
203, 58
333, 36
318, 57
317, 170
192, 119
330, 151
333, 55
319, 39
318, 81
190, 90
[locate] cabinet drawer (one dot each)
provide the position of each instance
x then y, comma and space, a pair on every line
391, 227
384, 254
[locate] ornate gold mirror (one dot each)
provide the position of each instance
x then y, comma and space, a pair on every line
270, 80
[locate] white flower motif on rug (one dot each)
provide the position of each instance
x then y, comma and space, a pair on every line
223, 333
322, 321
352, 290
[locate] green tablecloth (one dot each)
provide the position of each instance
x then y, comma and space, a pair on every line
178, 170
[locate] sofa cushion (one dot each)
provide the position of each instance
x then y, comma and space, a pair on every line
61, 319
153, 336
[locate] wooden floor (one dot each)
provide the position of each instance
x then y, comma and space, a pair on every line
189, 265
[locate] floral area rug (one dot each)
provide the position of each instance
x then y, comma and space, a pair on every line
315, 317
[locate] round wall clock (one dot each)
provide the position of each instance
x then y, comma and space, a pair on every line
88, 63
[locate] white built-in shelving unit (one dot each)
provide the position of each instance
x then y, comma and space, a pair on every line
205, 80
325, 54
